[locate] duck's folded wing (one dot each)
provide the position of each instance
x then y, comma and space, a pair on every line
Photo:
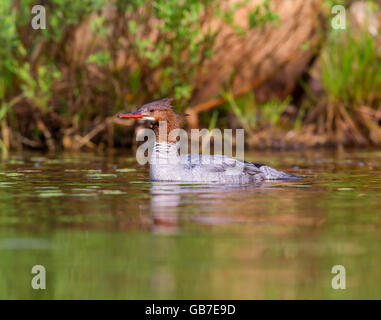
222, 164
231, 166
260, 171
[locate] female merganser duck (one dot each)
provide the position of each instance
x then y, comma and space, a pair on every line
167, 165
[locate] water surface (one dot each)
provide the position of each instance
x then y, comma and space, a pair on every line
102, 230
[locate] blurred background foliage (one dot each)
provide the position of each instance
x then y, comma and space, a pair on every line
60, 87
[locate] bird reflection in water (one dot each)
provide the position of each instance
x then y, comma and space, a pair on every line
167, 197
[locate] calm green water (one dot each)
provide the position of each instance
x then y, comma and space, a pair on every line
102, 230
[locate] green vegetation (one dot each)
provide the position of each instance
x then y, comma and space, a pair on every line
351, 78
97, 57
61, 86
257, 116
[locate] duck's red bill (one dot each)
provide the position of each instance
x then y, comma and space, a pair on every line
132, 115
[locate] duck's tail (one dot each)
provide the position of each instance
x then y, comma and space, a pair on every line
273, 174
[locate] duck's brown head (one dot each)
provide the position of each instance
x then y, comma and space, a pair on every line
156, 112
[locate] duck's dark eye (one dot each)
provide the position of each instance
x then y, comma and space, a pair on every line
151, 110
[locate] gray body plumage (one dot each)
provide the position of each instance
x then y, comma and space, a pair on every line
168, 165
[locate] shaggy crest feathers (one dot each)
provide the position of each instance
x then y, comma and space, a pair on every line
163, 104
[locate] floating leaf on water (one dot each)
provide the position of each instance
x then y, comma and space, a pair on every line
13, 174
50, 194
49, 188
59, 161
13, 161
125, 170
82, 189
113, 192
84, 195
102, 175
